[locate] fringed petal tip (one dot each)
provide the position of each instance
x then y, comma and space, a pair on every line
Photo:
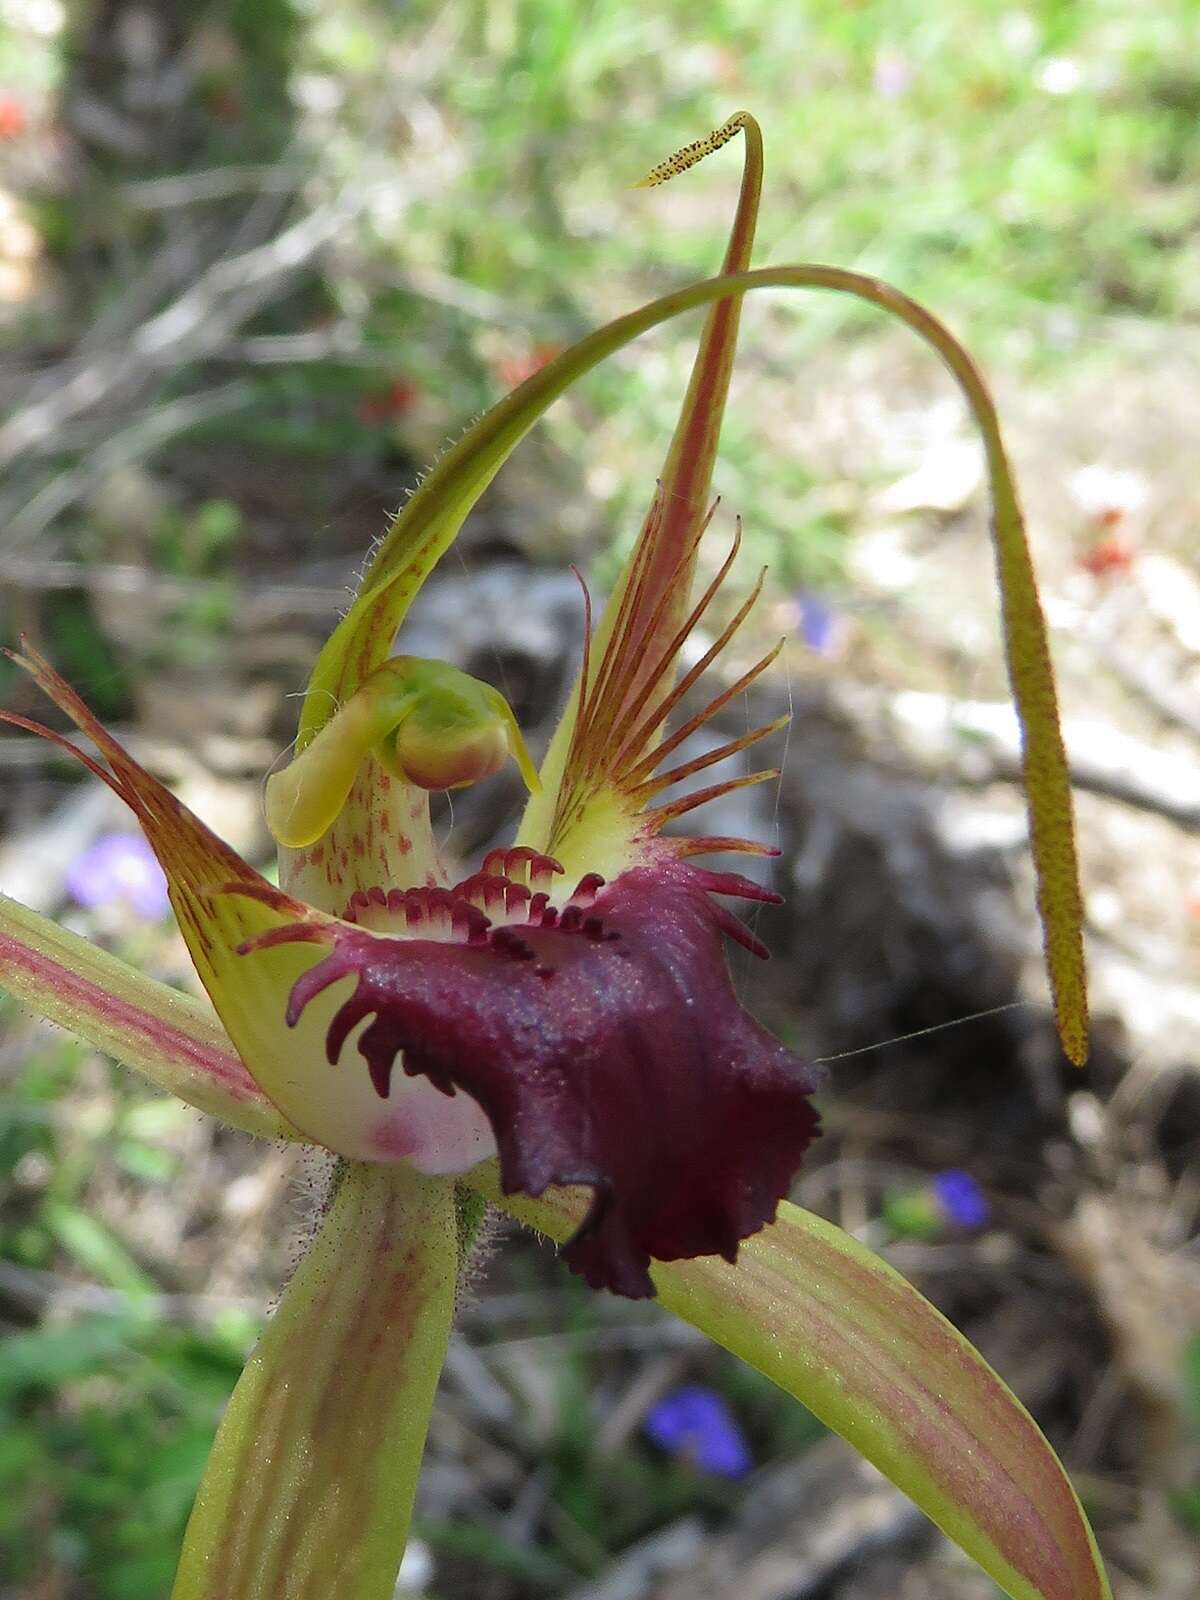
626, 694
605, 1044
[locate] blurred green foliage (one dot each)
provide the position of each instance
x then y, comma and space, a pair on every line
105, 1425
1032, 172
107, 1401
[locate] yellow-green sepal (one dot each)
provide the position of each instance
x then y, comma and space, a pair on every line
835, 1326
171, 1039
310, 1484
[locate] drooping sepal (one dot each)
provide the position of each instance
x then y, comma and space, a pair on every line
835, 1326
310, 1484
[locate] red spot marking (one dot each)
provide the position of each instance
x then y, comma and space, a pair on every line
404, 845
318, 855
344, 858
357, 846
394, 1141
385, 782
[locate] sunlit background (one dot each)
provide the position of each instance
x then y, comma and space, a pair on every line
259, 262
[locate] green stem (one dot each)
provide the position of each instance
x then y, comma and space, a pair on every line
309, 1488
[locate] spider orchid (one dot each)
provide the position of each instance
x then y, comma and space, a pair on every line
565, 1010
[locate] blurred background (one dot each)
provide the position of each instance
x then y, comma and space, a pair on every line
260, 260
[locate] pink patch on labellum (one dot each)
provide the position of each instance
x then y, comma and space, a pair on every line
395, 1140
441, 1135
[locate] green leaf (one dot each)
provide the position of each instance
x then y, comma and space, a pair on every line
1191, 1375
52, 1357
845, 1334
310, 1484
97, 1249
174, 1041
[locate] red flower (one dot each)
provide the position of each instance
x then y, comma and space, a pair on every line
568, 1007
397, 400
1108, 555
604, 1042
14, 119
515, 368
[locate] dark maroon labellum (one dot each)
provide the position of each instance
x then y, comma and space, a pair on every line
607, 1048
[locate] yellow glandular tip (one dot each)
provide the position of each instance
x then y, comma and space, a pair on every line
690, 154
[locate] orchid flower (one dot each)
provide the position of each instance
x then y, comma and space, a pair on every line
555, 1034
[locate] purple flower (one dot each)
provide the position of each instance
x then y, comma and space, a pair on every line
820, 626
119, 869
961, 1200
695, 1423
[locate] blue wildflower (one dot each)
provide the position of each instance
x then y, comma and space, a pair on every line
961, 1200
119, 869
820, 626
696, 1424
